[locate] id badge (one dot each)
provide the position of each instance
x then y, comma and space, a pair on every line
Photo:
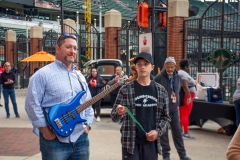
174, 99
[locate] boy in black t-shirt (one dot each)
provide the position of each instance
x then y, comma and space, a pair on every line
148, 102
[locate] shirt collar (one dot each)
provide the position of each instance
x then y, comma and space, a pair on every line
61, 64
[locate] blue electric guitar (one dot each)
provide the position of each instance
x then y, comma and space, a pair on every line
64, 117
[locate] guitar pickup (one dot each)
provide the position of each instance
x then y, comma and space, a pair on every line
65, 118
58, 123
71, 115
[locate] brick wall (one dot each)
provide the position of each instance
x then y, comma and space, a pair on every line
9, 51
33, 49
175, 38
111, 43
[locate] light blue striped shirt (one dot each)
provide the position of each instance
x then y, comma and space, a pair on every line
51, 85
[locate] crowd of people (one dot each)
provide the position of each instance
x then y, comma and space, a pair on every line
146, 106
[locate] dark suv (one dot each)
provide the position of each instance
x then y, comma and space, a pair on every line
105, 68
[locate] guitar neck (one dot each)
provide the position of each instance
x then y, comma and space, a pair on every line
96, 98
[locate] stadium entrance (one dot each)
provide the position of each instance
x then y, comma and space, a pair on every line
217, 28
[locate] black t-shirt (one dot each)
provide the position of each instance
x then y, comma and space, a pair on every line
146, 108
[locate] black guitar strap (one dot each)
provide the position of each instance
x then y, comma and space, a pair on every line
79, 80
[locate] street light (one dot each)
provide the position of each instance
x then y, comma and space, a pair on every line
59, 4
100, 29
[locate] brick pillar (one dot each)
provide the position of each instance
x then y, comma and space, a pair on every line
10, 39
177, 13
35, 45
112, 23
72, 24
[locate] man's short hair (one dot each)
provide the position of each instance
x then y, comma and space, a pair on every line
64, 36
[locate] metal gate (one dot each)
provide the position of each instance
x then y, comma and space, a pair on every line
90, 43
217, 28
92, 51
49, 41
21, 52
127, 46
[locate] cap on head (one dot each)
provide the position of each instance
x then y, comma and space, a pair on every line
170, 59
143, 55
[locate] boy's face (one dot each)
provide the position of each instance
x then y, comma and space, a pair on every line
144, 68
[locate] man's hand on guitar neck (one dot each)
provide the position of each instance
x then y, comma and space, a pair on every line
48, 134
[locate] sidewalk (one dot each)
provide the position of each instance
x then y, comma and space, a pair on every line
17, 142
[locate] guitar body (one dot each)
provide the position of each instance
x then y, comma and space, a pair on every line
64, 117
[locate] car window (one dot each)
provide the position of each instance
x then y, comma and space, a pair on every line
106, 69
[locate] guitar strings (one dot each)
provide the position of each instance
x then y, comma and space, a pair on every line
62, 120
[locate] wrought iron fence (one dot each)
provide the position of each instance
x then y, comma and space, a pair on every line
217, 28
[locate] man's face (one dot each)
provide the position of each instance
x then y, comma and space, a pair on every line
66, 53
7, 67
170, 68
118, 71
144, 68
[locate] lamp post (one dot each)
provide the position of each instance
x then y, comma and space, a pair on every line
77, 25
100, 29
62, 15
59, 4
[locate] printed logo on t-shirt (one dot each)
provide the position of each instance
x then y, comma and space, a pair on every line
145, 101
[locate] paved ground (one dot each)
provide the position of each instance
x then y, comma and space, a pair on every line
17, 142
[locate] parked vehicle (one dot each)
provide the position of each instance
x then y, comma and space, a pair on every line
105, 68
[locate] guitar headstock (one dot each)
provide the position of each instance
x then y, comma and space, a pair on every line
123, 80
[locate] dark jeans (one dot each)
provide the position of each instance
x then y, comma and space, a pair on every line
97, 107
55, 150
6, 94
113, 99
237, 110
142, 152
177, 137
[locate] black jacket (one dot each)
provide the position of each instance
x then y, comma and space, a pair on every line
95, 90
162, 78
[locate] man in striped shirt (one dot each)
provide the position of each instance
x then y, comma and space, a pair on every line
59, 83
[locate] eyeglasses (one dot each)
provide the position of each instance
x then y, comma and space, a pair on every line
66, 35
7, 66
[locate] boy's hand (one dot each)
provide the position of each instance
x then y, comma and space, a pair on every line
152, 135
121, 110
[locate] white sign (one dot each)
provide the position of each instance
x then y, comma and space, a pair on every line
145, 43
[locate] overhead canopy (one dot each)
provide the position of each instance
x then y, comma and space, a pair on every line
41, 56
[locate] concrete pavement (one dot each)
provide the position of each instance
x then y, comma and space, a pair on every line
17, 142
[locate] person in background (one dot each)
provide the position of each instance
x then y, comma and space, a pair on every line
14, 70
148, 102
171, 81
95, 84
189, 87
133, 74
233, 150
112, 81
7, 80
236, 101
1, 71
35, 70
54, 84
